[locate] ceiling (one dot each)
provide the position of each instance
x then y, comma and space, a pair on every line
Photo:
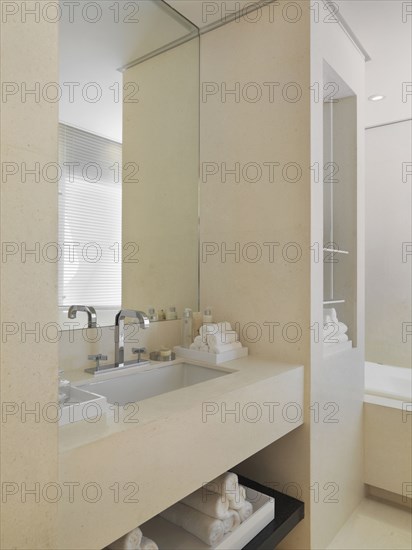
93, 44
387, 38
93, 52
379, 26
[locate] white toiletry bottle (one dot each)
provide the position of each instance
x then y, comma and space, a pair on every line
207, 315
187, 328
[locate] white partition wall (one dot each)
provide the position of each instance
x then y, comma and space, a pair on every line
337, 375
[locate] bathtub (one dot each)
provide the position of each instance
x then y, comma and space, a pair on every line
393, 384
387, 429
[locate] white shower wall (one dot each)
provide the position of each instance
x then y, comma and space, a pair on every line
389, 244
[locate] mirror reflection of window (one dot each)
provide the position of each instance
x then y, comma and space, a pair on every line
90, 219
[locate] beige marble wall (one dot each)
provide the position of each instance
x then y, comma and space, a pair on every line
265, 285
28, 283
160, 210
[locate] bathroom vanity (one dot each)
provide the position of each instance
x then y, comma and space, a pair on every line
141, 457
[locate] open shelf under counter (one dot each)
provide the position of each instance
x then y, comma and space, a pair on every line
281, 511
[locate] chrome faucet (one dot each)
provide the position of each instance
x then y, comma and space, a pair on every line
119, 331
91, 314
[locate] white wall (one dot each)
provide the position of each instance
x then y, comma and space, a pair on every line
337, 381
388, 231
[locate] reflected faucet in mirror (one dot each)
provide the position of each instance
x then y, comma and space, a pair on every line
119, 331
91, 314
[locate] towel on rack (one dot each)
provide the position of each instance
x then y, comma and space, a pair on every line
208, 502
130, 541
209, 530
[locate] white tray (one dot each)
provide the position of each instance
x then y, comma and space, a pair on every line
211, 358
171, 537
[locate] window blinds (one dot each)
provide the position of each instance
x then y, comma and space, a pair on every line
90, 219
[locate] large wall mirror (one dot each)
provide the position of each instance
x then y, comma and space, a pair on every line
129, 151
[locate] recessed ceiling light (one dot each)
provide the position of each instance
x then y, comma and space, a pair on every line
376, 97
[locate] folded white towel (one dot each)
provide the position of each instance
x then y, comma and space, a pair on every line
335, 339
246, 511
220, 338
222, 348
148, 544
208, 502
130, 541
209, 530
330, 312
231, 521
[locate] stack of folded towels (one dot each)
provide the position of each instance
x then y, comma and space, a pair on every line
133, 541
334, 332
216, 338
212, 511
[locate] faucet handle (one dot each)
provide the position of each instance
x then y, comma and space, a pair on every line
139, 352
99, 357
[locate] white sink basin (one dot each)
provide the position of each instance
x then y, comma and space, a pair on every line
129, 388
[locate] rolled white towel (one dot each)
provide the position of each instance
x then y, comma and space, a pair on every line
222, 348
148, 544
335, 339
333, 328
209, 530
208, 502
224, 326
198, 340
246, 511
209, 328
343, 329
330, 312
130, 541
227, 485
222, 338
231, 521
238, 498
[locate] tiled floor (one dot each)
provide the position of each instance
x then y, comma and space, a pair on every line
375, 526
